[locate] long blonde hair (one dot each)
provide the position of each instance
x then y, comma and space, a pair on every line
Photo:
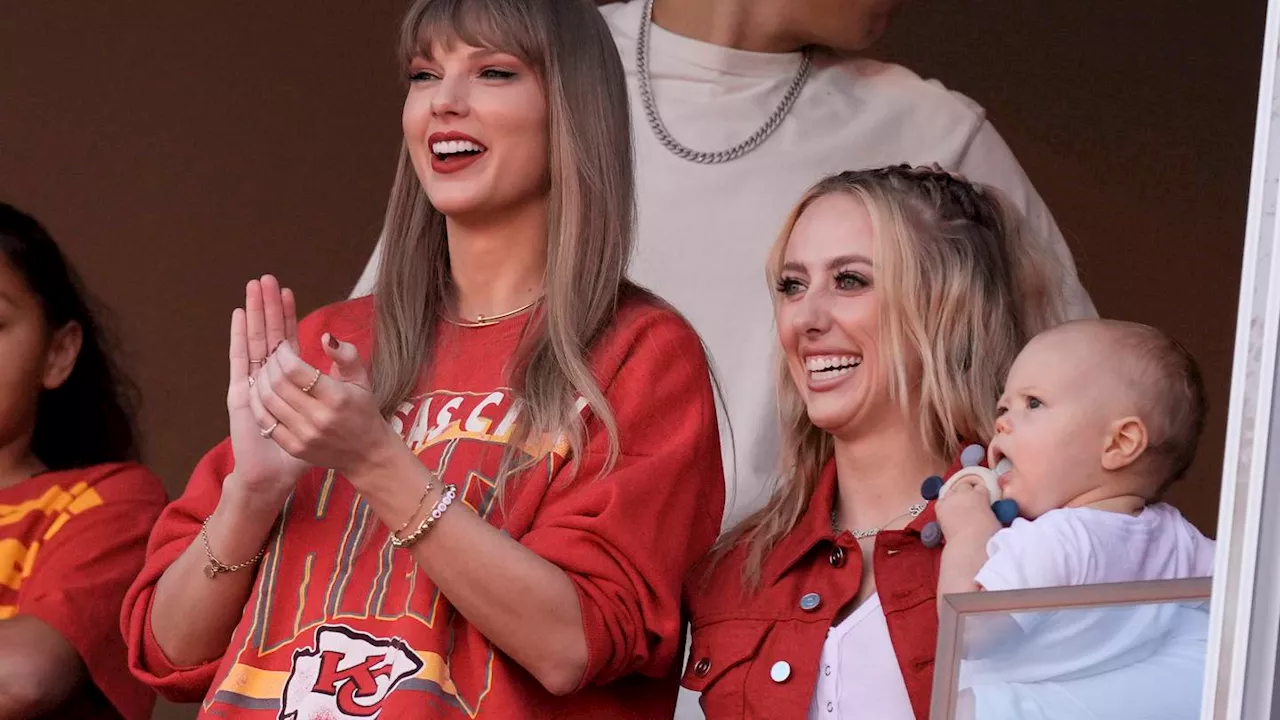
960, 294
589, 221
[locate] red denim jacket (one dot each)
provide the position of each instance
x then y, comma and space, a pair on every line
756, 655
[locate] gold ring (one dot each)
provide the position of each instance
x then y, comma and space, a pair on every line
256, 362
267, 433
312, 384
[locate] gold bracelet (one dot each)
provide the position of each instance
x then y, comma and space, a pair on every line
450, 492
425, 492
216, 567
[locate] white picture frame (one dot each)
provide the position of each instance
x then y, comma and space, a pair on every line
1240, 672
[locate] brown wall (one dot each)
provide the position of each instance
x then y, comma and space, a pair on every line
1135, 120
176, 150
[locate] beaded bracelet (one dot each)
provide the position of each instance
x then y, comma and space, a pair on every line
450, 492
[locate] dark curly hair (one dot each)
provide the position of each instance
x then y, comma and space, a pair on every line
91, 418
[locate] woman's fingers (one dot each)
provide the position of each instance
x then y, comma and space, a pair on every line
282, 398
290, 306
270, 426
287, 440
346, 360
261, 415
255, 324
305, 383
273, 312
239, 348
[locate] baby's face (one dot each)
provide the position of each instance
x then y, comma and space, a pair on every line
1053, 419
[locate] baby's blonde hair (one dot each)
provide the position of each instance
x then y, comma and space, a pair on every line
1169, 392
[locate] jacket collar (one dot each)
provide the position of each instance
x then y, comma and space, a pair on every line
814, 526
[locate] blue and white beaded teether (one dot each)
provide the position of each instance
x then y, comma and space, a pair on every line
935, 488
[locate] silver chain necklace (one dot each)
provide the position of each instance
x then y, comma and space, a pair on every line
699, 156
914, 511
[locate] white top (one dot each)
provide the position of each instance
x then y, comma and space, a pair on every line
705, 230
1083, 546
1085, 655
858, 675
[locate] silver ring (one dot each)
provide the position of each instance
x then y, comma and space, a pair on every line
267, 433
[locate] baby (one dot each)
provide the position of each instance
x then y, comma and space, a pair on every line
1097, 419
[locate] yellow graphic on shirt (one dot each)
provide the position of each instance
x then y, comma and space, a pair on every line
269, 686
490, 417
326, 628
18, 554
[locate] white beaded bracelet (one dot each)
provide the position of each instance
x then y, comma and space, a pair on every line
446, 499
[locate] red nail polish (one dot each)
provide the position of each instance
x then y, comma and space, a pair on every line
333, 342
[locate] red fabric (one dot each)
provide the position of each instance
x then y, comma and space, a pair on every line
741, 635
333, 599
70, 544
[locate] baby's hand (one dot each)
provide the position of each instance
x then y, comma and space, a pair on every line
965, 511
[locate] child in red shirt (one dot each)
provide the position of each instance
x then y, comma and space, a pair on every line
74, 509
494, 521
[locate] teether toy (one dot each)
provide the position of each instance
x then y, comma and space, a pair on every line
935, 488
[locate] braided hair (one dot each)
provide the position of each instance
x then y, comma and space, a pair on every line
960, 293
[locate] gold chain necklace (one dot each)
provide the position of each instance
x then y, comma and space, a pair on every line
483, 321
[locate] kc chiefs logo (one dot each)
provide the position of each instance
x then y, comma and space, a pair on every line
346, 675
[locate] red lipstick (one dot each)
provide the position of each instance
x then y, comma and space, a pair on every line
453, 162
